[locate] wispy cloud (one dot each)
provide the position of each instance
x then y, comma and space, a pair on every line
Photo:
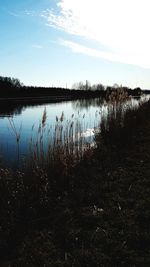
37, 46
114, 57
122, 26
32, 13
14, 14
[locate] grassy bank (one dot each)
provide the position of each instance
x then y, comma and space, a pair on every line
94, 214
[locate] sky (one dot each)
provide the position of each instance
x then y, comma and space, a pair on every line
61, 42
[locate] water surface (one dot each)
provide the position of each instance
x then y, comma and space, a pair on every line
25, 120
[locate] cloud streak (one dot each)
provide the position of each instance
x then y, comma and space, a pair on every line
14, 14
37, 46
82, 49
122, 26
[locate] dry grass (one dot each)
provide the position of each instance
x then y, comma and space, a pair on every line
88, 217
121, 122
64, 144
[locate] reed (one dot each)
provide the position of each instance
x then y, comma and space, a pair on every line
64, 144
120, 123
59, 217
17, 134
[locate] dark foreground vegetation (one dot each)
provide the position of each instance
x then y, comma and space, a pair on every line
93, 213
13, 90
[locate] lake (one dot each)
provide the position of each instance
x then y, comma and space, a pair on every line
24, 120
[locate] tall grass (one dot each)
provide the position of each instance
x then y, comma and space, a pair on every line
121, 122
17, 135
32, 194
64, 145
31, 199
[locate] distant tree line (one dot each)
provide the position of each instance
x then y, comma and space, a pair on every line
12, 87
106, 90
87, 86
9, 85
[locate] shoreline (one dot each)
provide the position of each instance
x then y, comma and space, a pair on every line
94, 214
48, 99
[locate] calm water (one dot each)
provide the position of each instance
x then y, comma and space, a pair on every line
26, 119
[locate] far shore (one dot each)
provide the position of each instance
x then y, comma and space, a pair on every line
39, 99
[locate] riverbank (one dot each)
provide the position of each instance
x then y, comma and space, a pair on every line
45, 99
93, 214
12, 89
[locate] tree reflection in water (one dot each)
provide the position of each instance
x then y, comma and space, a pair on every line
87, 103
10, 109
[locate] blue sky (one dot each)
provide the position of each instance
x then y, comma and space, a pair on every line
60, 42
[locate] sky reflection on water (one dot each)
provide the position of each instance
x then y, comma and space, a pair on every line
27, 118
